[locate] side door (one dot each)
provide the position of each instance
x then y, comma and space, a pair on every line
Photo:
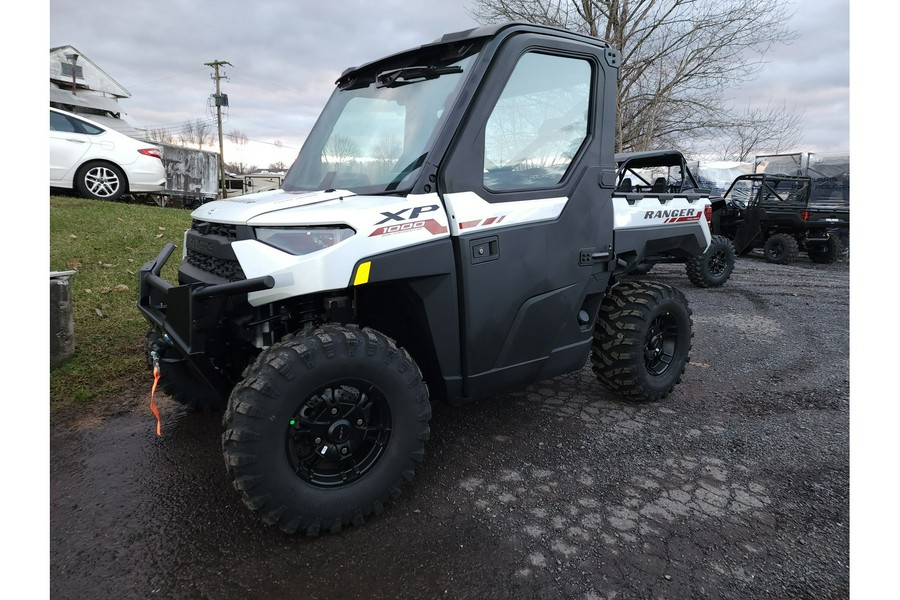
530, 211
68, 143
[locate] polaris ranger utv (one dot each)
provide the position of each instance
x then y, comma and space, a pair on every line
775, 213
447, 231
665, 173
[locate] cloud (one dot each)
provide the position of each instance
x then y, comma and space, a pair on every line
286, 55
811, 74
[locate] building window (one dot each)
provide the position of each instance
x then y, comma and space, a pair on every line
67, 70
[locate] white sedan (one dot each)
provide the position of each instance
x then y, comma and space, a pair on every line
99, 162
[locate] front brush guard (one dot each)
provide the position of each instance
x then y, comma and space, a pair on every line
187, 313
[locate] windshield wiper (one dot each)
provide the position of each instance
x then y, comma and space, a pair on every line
406, 171
407, 75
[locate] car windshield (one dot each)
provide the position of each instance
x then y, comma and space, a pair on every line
375, 138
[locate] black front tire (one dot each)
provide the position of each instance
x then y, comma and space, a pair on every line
326, 428
101, 181
781, 249
713, 267
642, 340
826, 253
177, 379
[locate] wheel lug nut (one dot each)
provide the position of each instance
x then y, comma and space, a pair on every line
318, 440
359, 421
343, 451
334, 411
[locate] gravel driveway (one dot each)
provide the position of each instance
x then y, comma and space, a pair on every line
735, 486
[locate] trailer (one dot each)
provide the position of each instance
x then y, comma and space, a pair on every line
192, 176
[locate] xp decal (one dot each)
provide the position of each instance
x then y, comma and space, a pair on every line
406, 224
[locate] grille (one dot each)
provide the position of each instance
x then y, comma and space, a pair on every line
219, 229
220, 267
215, 256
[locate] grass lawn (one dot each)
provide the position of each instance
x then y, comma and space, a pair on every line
106, 243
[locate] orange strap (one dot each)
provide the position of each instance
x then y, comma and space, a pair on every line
153, 407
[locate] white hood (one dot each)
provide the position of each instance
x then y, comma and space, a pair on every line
241, 209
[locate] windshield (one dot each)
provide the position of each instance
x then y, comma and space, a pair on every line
374, 139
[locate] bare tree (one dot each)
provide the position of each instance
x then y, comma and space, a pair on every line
340, 149
387, 150
771, 130
278, 166
197, 133
240, 168
160, 136
679, 57
237, 137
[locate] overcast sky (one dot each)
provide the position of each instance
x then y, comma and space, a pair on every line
286, 55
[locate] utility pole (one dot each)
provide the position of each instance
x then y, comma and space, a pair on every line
221, 99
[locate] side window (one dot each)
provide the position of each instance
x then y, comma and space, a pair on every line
69, 124
90, 129
538, 124
59, 122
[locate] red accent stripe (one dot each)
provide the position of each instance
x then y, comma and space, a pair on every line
467, 224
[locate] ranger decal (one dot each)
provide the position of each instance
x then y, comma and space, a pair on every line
678, 215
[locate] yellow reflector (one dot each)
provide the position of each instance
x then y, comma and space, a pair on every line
362, 273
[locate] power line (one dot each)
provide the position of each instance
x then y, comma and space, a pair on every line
132, 86
269, 83
180, 125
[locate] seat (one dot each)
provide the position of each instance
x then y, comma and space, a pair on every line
625, 186
659, 186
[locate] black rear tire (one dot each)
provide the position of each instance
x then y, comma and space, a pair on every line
642, 340
177, 379
781, 249
826, 253
326, 428
713, 267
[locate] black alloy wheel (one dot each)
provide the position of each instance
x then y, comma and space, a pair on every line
661, 341
338, 433
718, 262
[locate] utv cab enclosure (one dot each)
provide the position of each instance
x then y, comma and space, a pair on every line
448, 231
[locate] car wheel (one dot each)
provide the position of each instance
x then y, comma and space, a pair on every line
101, 181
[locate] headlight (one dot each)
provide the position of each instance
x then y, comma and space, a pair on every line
303, 240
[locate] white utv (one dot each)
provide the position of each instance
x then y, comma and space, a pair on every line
447, 232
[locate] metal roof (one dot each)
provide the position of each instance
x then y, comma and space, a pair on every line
85, 100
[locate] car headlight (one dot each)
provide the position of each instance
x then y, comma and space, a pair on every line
303, 240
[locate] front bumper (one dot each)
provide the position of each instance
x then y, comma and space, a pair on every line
188, 313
